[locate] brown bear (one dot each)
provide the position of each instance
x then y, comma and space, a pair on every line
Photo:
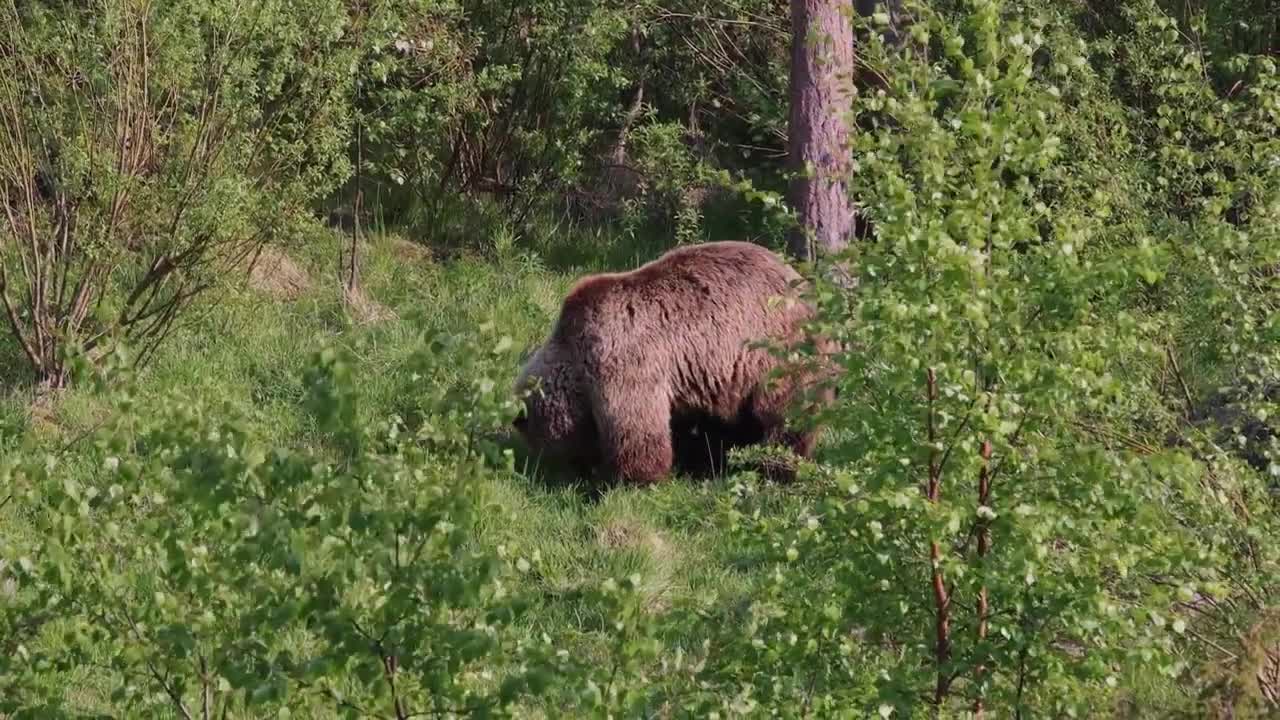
663, 364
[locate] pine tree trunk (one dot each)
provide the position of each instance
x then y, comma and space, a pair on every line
820, 154
351, 282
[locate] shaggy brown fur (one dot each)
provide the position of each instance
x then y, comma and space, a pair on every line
648, 367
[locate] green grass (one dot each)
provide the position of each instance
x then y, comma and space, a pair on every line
249, 348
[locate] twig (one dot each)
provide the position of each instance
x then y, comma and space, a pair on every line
984, 547
205, 694
964, 422
389, 671
941, 598
164, 684
1177, 373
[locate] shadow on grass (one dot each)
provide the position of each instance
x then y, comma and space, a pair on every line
15, 371
554, 474
546, 470
16, 394
701, 454
596, 249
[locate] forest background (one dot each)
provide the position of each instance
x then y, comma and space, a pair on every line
268, 269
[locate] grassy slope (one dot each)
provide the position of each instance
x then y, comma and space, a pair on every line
250, 348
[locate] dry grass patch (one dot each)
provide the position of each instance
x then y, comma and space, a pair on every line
624, 534
364, 309
275, 274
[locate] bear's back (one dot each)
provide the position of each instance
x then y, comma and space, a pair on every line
706, 280
694, 312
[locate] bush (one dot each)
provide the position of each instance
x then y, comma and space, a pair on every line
991, 527
202, 573
544, 104
146, 149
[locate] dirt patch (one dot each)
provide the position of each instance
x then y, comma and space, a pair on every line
410, 252
622, 534
625, 535
364, 309
277, 275
42, 415
1243, 678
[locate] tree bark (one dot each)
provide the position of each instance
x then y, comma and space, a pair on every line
618, 154
820, 155
351, 283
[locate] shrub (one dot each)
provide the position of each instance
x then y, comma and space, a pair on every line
145, 149
200, 572
990, 526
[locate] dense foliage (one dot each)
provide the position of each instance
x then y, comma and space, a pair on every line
1051, 483
987, 525
142, 152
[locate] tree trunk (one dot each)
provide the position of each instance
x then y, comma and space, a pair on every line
350, 274
349, 266
820, 156
618, 153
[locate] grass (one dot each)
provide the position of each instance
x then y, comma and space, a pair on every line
249, 348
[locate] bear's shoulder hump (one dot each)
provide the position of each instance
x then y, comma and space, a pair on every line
588, 292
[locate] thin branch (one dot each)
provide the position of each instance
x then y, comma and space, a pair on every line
1182, 382
164, 684
941, 598
389, 669
206, 695
984, 547
15, 324
665, 14
964, 422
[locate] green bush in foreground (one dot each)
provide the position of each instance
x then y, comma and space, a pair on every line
989, 542
202, 573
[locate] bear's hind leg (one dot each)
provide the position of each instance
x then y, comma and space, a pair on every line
635, 433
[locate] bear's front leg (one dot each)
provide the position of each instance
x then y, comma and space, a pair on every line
635, 432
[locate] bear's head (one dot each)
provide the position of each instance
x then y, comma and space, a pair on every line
556, 418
